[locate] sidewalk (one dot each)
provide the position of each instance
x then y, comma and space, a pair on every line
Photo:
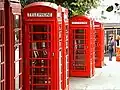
105, 78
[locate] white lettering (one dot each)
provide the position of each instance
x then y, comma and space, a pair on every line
79, 22
97, 25
39, 14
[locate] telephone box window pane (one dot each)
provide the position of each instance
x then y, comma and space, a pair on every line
41, 87
80, 41
17, 68
80, 68
2, 72
40, 45
41, 80
1, 17
82, 57
76, 42
1, 54
39, 71
16, 21
1, 37
67, 51
40, 62
17, 53
79, 63
80, 31
78, 46
80, 51
39, 53
79, 37
17, 83
17, 36
37, 37
40, 28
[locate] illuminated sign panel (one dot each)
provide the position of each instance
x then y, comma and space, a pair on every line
39, 14
79, 22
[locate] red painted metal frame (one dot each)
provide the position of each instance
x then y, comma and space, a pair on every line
81, 46
93, 46
2, 47
54, 79
14, 59
65, 53
99, 48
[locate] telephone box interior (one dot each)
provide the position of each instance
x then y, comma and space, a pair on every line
99, 44
43, 54
13, 45
2, 46
81, 46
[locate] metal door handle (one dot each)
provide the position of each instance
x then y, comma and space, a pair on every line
53, 54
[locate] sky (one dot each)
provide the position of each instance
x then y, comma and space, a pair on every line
111, 16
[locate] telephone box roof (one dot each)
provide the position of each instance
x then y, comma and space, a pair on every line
80, 17
47, 4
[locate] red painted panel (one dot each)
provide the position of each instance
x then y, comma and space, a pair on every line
65, 53
2, 47
99, 48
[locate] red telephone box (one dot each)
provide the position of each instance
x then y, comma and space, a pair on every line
2, 46
43, 46
92, 45
81, 46
13, 37
65, 38
99, 44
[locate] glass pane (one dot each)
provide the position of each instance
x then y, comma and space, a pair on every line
16, 21
40, 71
80, 68
79, 37
40, 45
41, 80
78, 46
1, 36
1, 17
17, 36
0, 54
42, 87
17, 52
39, 53
80, 31
41, 62
40, 28
37, 36
17, 68
17, 83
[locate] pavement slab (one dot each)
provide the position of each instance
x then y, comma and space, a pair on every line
105, 78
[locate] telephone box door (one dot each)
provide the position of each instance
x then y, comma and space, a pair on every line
39, 60
79, 48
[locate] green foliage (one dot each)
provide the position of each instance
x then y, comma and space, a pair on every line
76, 7
25, 2
82, 7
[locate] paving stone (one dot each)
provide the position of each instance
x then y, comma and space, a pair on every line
105, 78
